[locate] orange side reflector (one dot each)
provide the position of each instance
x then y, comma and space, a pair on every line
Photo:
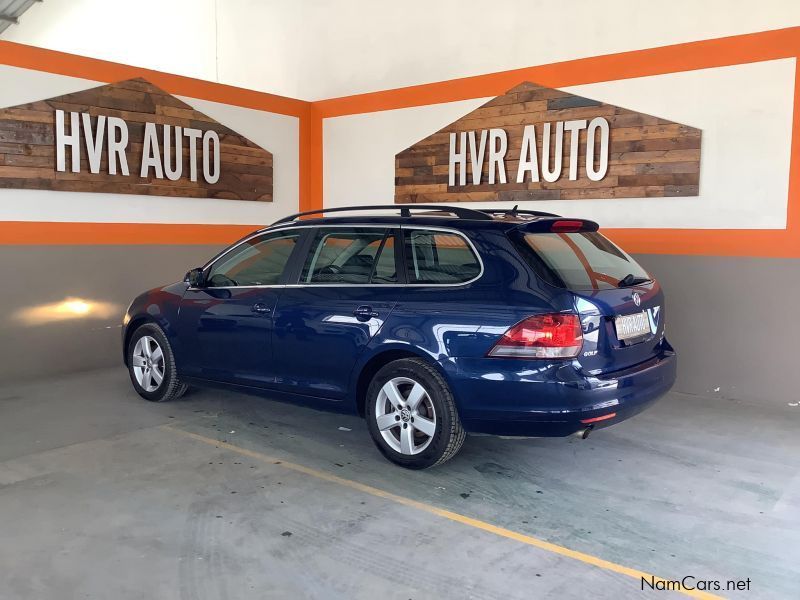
596, 419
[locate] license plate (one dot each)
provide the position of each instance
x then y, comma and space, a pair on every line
632, 326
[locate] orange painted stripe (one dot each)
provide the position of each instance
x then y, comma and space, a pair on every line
72, 65
310, 161
690, 56
770, 243
61, 233
793, 209
304, 165
742, 49
762, 243
746, 242
316, 190
721, 52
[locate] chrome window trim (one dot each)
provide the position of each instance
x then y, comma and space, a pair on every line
471, 246
349, 285
234, 287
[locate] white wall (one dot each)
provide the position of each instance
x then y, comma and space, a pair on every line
744, 112
315, 49
175, 36
277, 133
365, 45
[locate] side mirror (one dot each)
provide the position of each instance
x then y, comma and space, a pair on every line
195, 278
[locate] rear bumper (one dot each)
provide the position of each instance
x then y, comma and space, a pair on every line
540, 399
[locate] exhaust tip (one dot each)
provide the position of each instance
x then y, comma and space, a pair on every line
583, 433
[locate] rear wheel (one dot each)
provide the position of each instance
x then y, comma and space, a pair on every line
412, 416
151, 365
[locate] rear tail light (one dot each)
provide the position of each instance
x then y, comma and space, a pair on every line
542, 336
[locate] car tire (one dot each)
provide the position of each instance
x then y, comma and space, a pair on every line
412, 415
151, 365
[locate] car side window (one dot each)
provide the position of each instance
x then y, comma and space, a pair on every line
258, 261
350, 256
439, 257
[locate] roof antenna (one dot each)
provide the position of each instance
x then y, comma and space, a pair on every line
513, 211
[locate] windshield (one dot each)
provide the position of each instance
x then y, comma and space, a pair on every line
579, 261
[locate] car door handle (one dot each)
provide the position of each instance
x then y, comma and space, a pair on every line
261, 308
365, 313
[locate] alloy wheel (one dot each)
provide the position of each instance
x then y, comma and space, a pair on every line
405, 415
148, 363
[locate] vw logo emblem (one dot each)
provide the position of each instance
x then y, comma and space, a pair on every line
637, 299
405, 415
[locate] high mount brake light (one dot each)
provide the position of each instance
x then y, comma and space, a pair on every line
556, 335
566, 226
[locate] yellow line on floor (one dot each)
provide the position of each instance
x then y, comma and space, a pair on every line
441, 512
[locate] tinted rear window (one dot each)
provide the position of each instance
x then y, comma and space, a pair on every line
577, 261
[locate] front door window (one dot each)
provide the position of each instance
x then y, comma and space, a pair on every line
258, 261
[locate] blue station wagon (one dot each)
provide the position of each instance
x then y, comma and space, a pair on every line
430, 321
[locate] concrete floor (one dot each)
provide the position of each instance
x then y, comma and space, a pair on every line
99, 500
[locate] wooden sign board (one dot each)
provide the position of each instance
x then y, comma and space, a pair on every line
129, 138
538, 143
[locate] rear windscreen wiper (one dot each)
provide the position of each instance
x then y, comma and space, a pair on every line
631, 279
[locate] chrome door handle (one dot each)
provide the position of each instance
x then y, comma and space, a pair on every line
261, 308
365, 313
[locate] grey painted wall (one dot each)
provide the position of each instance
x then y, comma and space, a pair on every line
731, 319
33, 275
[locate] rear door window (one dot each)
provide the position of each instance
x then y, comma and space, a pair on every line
579, 261
439, 257
356, 255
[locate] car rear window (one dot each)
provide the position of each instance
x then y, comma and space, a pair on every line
439, 257
578, 261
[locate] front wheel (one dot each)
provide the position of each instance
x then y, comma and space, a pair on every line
412, 416
151, 365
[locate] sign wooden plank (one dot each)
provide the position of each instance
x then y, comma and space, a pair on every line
538, 143
129, 137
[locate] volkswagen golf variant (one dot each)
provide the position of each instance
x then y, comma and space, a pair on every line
431, 322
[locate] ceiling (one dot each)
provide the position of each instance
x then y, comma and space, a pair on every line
11, 10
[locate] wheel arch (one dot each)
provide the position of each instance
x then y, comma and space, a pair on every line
134, 324
376, 362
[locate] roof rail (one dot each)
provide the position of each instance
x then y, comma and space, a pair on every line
405, 211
